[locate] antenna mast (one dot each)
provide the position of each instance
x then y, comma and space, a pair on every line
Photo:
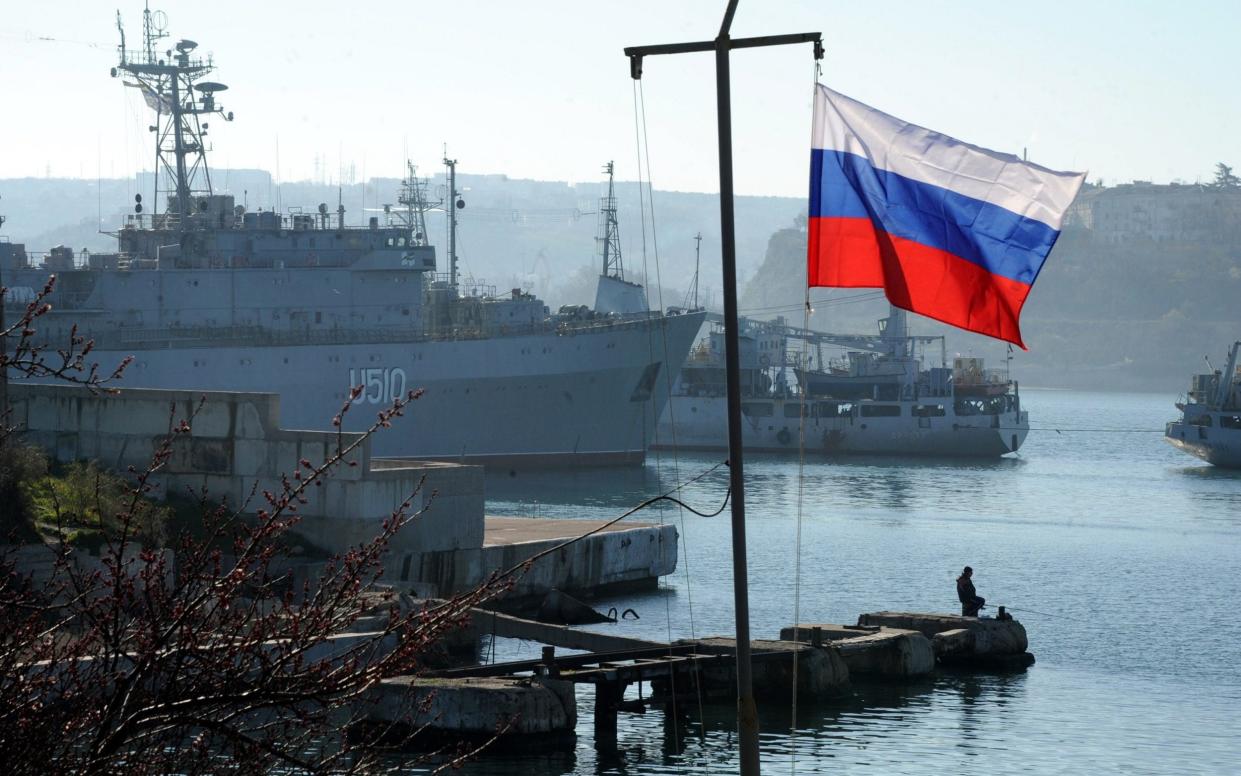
454, 203
609, 231
414, 197
169, 82
697, 259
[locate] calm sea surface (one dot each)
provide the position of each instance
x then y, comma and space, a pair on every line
1133, 546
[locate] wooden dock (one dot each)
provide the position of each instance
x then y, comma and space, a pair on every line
705, 667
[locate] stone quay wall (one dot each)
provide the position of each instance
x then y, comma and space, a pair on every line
237, 448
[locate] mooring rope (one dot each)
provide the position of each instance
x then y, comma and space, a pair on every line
645, 503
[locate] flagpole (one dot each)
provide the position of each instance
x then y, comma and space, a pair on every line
747, 710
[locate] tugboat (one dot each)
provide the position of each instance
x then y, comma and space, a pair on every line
1210, 424
208, 294
876, 400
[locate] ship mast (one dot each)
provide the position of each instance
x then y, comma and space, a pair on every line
169, 82
609, 231
691, 296
894, 331
1227, 378
413, 196
454, 204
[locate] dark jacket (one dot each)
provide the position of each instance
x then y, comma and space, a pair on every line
965, 590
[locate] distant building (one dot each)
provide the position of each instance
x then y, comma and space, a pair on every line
1146, 211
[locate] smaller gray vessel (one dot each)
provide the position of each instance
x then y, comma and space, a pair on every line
878, 400
1210, 424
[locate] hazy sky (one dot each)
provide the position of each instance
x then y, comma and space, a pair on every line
541, 89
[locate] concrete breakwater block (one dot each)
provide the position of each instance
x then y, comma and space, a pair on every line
821, 671
421, 714
873, 651
966, 641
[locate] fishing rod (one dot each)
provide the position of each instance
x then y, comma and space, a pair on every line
1044, 614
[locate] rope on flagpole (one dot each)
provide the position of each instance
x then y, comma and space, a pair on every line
646, 199
807, 310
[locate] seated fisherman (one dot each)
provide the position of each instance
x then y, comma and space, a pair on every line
971, 602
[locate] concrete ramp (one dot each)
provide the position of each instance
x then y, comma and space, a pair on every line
491, 623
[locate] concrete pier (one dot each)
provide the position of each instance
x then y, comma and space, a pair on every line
619, 557
872, 651
963, 641
534, 713
238, 448
700, 669
821, 671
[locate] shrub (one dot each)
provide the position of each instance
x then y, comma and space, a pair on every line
19, 465
85, 503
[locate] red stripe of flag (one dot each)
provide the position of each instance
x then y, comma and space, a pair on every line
855, 253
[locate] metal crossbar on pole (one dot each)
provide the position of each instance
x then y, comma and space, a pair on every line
747, 711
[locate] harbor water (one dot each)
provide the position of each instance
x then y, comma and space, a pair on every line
1118, 553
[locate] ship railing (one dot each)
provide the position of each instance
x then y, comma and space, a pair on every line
139, 57
151, 221
971, 377
38, 260
559, 327
214, 336
468, 288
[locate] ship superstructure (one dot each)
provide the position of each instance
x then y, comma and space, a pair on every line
1210, 424
876, 399
209, 295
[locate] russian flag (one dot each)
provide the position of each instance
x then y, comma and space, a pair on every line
949, 230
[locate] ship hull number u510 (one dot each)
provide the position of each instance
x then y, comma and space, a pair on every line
379, 386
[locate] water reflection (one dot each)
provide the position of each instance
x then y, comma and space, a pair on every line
611, 487
1209, 473
954, 463
1216, 490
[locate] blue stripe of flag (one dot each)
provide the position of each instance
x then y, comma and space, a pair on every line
844, 185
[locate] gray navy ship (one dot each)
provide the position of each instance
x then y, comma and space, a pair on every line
209, 296
877, 400
1210, 424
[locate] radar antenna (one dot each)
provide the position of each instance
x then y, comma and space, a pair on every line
609, 231
413, 195
170, 85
